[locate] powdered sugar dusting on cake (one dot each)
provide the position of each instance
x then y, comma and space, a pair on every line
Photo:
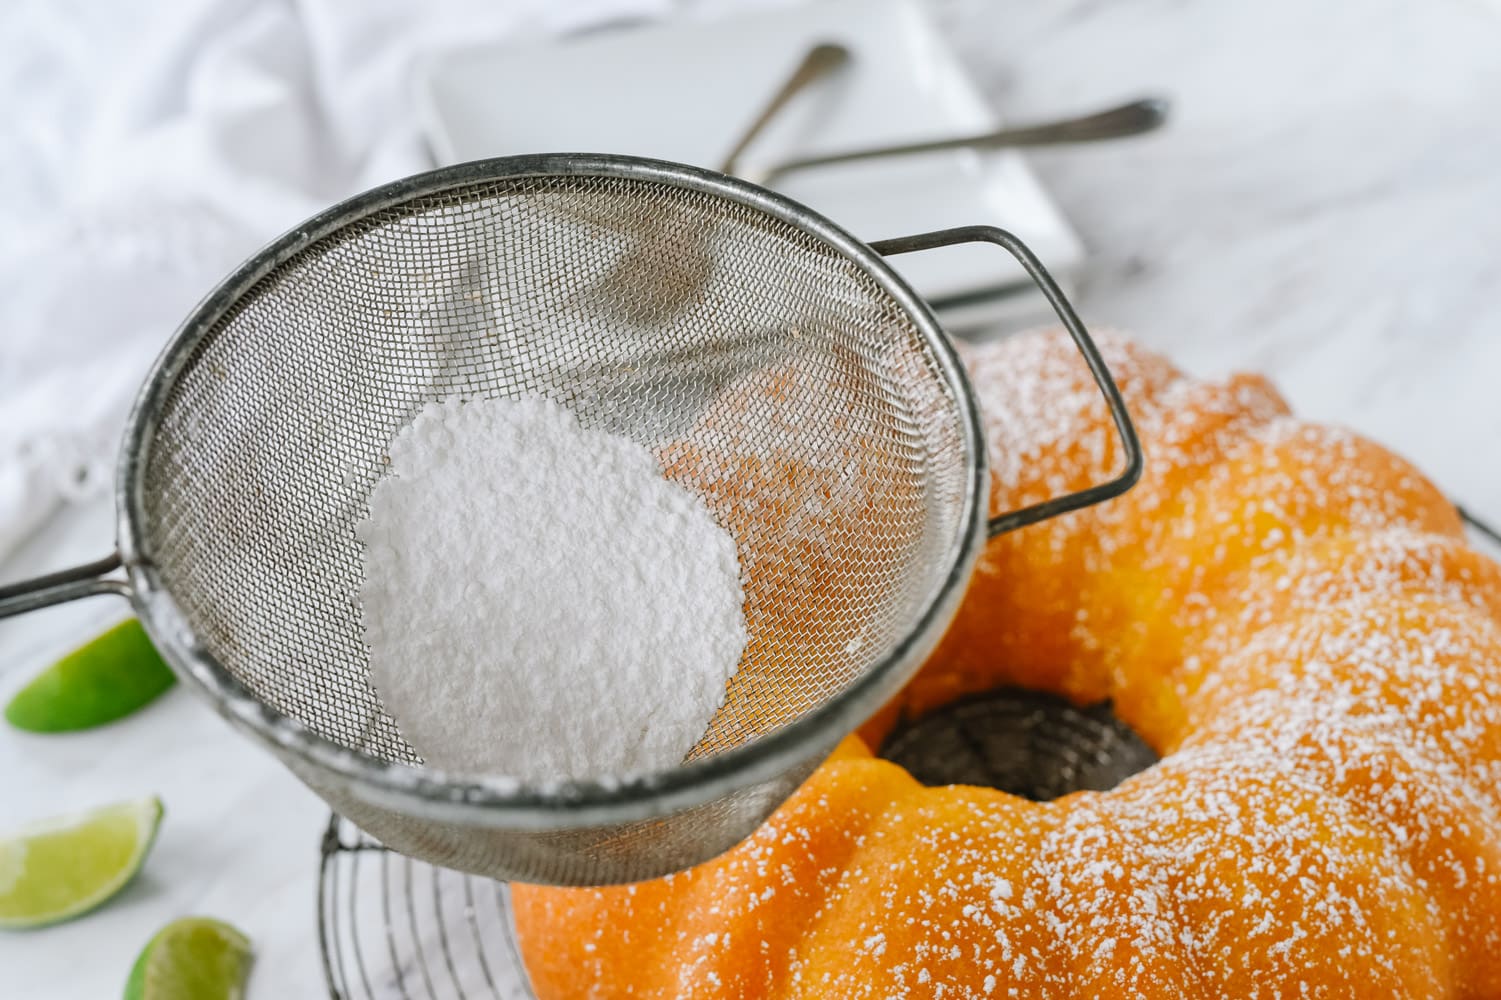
1294, 613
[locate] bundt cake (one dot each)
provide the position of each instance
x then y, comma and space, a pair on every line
1287, 613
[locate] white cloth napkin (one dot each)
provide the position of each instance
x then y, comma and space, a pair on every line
148, 147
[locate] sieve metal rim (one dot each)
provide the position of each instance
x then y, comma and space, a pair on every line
505, 803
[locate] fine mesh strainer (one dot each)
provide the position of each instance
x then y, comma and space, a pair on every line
777, 365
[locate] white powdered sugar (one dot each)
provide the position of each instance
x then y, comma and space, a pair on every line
539, 601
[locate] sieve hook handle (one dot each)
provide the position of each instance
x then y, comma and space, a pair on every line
1130, 443
65, 585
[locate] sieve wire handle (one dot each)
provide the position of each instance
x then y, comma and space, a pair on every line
65, 585
1130, 443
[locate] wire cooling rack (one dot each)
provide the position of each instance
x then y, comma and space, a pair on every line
391, 928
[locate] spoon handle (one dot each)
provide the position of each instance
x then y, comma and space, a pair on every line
818, 63
1132, 118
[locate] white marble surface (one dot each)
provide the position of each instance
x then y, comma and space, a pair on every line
1325, 207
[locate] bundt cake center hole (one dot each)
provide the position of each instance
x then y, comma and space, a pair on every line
1034, 745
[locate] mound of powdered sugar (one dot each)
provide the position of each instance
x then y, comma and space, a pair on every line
539, 601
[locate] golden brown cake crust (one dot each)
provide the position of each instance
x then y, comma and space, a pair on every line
1287, 612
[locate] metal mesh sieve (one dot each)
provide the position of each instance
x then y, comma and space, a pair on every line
775, 365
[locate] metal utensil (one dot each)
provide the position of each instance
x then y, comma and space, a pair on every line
820, 61
674, 282
251, 452
1133, 118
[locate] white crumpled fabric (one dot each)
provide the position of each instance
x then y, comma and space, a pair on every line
146, 148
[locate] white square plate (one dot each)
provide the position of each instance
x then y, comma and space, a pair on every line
685, 90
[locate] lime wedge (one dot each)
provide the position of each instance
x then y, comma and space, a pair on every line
103, 680
194, 958
58, 868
